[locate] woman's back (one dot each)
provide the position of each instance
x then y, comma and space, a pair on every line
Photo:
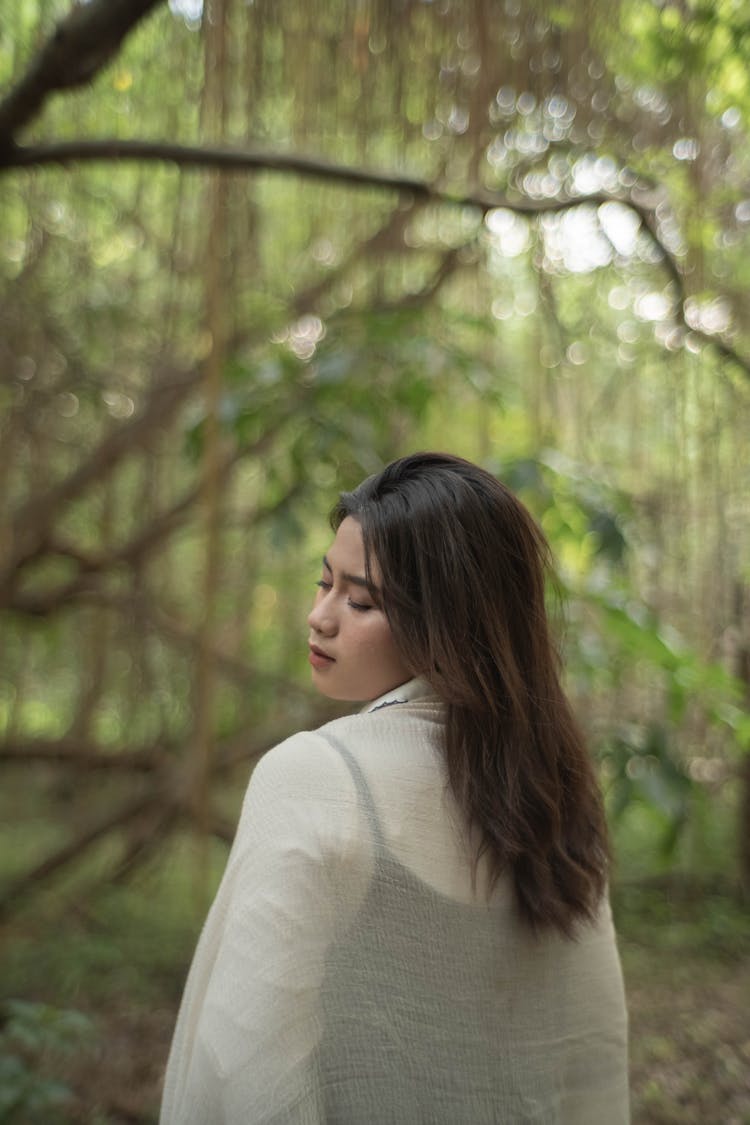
444, 1010
349, 974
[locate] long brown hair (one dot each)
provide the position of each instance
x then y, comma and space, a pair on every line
463, 567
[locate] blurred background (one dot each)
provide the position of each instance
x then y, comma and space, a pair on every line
195, 362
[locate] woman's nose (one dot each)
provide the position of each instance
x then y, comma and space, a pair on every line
322, 618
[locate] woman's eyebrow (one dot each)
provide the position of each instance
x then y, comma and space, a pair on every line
355, 579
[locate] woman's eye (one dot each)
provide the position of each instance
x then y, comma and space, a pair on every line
359, 606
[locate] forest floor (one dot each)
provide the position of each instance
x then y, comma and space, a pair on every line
690, 1043
688, 984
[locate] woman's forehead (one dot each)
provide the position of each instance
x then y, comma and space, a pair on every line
346, 555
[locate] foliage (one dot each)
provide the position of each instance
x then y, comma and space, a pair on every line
30, 1031
672, 754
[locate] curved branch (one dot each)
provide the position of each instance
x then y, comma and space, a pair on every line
239, 160
231, 159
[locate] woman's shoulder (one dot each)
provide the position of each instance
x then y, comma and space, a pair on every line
310, 792
300, 799
311, 761
291, 765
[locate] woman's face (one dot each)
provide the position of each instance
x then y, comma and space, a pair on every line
352, 652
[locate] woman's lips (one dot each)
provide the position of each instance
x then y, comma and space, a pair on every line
319, 659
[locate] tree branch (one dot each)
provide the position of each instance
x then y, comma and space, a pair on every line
165, 801
31, 524
145, 838
76, 847
387, 238
246, 160
81, 755
36, 538
81, 44
238, 160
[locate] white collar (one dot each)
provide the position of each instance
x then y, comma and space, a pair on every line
412, 689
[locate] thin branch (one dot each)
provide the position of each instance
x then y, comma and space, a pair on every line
231, 159
245, 160
31, 524
37, 539
159, 808
91, 757
148, 538
80, 755
144, 840
387, 238
76, 847
81, 44
449, 262
181, 634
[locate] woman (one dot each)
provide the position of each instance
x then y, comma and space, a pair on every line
413, 924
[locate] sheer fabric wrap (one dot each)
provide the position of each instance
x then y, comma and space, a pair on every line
348, 973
